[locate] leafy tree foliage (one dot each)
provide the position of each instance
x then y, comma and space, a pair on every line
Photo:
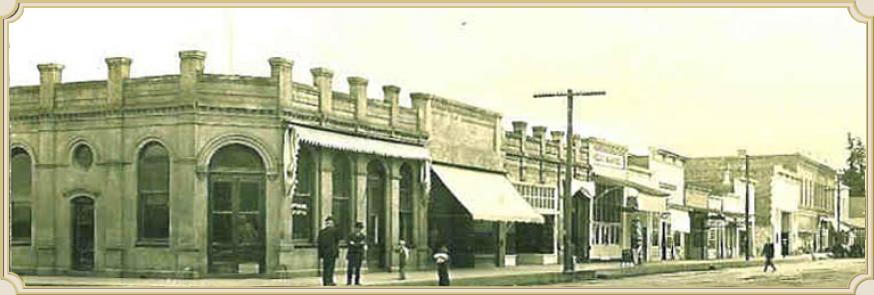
854, 174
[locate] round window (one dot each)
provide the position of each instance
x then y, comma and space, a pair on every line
82, 156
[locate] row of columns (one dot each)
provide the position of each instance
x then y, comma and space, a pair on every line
323, 193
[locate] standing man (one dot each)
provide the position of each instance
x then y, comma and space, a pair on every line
636, 241
768, 252
357, 244
328, 252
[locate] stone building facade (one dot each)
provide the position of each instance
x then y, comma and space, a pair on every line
196, 174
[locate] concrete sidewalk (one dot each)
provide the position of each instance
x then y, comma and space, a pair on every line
527, 275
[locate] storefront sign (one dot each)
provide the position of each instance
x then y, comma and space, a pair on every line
607, 159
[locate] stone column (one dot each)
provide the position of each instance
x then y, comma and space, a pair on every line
391, 94
119, 71
189, 205
322, 79
540, 135
358, 92
190, 71
393, 203
421, 200
422, 104
45, 198
280, 72
519, 128
49, 77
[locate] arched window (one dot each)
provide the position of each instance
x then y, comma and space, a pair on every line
302, 206
406, 204
20, 187
342, 193
153, 190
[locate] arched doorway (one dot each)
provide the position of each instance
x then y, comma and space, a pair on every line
236, 211
82, 233
376, 214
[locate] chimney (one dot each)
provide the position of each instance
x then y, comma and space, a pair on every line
538, 131
519, 127
422, 104
49, 76
391, 96
190, 70
557, 135
358, 92
322, 79
280, 71
119, 71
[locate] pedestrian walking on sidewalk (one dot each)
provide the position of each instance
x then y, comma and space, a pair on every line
442, 259
768, 252
636, 241
328, 251
403, 254
355, 254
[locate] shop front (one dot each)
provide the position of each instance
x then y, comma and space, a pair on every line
471, 212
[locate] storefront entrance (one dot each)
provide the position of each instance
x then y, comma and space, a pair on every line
376, 215
83, 233
236, 212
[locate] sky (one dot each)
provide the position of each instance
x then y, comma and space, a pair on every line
699, 82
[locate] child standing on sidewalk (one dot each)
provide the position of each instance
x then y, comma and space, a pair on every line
403, 255
442, 259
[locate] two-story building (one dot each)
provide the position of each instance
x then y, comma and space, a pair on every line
196, 174
794, 197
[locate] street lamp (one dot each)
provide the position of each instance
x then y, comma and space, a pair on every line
570, 94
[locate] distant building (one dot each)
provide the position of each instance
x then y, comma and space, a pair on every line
794, 197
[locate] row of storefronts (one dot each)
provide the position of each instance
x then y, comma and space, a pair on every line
195, 174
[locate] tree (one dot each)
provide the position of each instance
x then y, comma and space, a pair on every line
854, 174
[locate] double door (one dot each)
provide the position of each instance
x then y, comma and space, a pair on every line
236, 223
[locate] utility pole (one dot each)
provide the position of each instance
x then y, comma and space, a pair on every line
569, 170
749, 241
838, 204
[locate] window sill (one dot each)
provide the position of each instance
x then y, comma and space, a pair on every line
20, 243
153, 244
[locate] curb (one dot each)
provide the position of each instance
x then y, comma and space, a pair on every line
664, 269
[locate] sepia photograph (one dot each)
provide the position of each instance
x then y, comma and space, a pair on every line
437, 147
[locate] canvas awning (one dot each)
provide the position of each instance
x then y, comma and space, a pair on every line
856, 223
360, 144
487, 196
627, 183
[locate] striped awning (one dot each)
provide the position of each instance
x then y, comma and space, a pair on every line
359, 143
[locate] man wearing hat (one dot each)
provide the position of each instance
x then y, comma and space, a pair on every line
328, 252
357, 244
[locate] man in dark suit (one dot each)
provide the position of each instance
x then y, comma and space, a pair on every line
768, 252
357, 244
328, 252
